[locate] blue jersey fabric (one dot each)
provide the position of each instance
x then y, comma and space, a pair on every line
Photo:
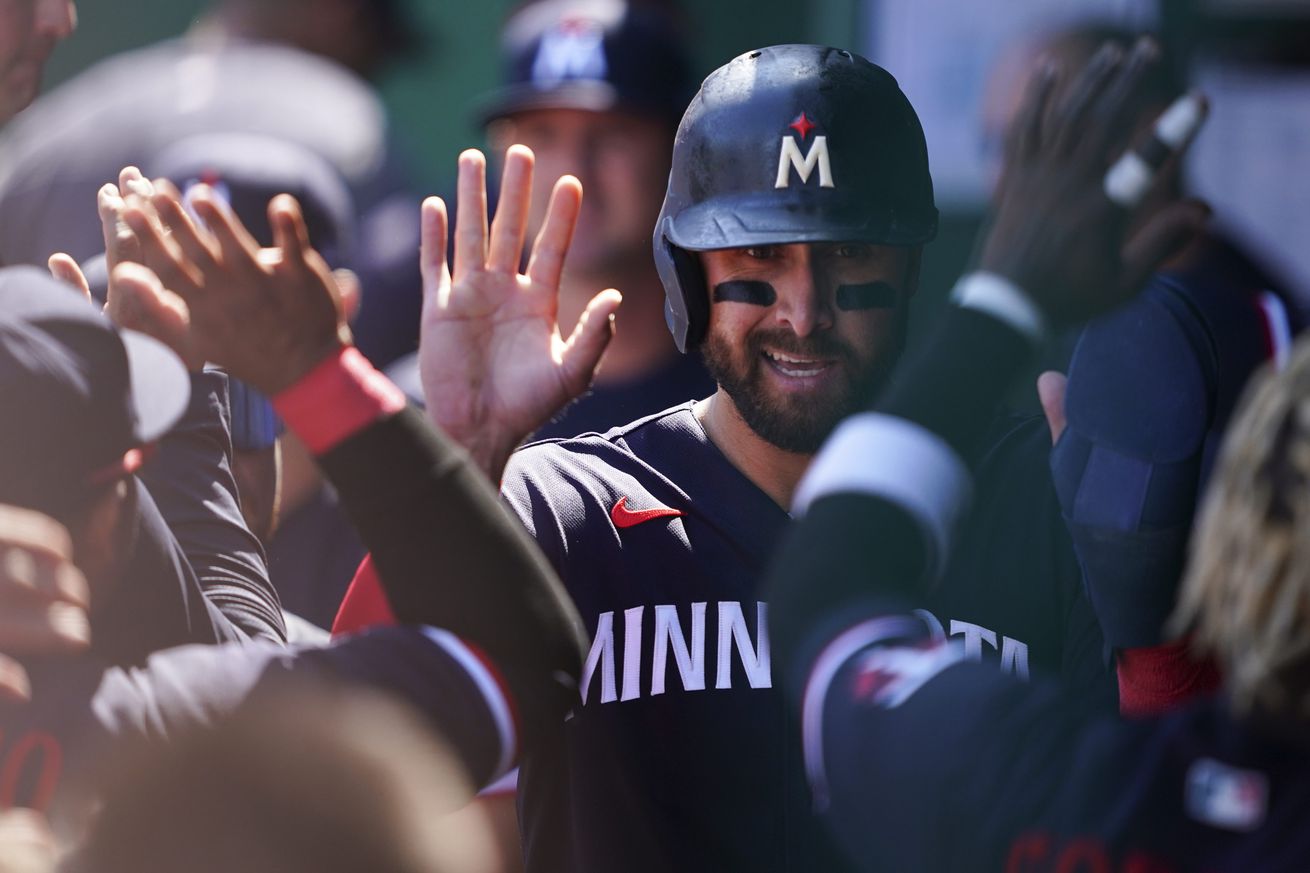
680, 755
993, 774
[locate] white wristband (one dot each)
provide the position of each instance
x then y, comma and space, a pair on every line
1001, 299
898, 461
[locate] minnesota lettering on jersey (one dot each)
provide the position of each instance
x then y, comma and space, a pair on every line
657, 635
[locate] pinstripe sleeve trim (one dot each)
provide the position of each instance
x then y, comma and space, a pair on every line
815, 698
494, 693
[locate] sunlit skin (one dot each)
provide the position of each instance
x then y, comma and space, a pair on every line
29, 30
789, 371
622, 160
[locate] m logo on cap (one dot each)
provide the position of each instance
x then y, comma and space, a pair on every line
573, 50
791, 158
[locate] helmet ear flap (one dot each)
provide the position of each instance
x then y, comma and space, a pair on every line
686, 301
696, 297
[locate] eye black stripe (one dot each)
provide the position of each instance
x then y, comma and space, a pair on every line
871, 295
745, 291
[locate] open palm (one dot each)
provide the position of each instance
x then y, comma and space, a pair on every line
493, 364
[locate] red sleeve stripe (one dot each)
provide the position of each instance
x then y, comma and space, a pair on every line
1278, 327
494, 693
338, 398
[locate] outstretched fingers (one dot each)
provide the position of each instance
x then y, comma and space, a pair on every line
587, 343
138, 301
434, 226
233, 240
1119, 104
290, 234
546, 265
1068, 118
1026, 131
158, 249
120, 242
194, 242
511, 222
471, 215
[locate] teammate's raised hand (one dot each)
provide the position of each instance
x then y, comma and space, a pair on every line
493, 363
121, 244
43, 596
209, 290
1061, 223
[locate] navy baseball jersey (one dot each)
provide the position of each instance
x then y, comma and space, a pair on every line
679, 755
80, 709
993, 774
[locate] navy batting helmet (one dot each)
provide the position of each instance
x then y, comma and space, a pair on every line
789, 144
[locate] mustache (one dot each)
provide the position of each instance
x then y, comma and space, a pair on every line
823, 345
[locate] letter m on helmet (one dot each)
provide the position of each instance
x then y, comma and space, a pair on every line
804, 164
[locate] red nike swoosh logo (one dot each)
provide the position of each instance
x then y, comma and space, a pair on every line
624, 517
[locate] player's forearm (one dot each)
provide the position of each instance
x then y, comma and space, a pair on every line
447, 552
192, 481
888, 487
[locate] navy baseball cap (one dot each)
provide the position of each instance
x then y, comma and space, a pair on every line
248, 170
591, 54
82, 398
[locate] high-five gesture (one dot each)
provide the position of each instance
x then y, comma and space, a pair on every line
1063, 228
493, 363
267, 315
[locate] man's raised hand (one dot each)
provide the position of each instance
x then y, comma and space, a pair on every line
493, 363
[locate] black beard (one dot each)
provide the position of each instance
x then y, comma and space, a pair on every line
801, 425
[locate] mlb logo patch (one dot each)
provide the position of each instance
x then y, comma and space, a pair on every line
1226, 797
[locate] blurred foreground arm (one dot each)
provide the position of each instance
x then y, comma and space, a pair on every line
881, 500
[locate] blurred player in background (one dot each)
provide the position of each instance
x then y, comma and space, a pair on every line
283, 68
29, 31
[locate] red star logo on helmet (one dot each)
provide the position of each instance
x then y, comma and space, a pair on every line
802, 125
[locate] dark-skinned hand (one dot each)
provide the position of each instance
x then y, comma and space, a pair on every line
267, 315
1054, 232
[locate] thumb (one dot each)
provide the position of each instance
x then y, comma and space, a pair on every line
588, 341
66, 270
351, 296
138, 301
1050, 390
1162, 237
